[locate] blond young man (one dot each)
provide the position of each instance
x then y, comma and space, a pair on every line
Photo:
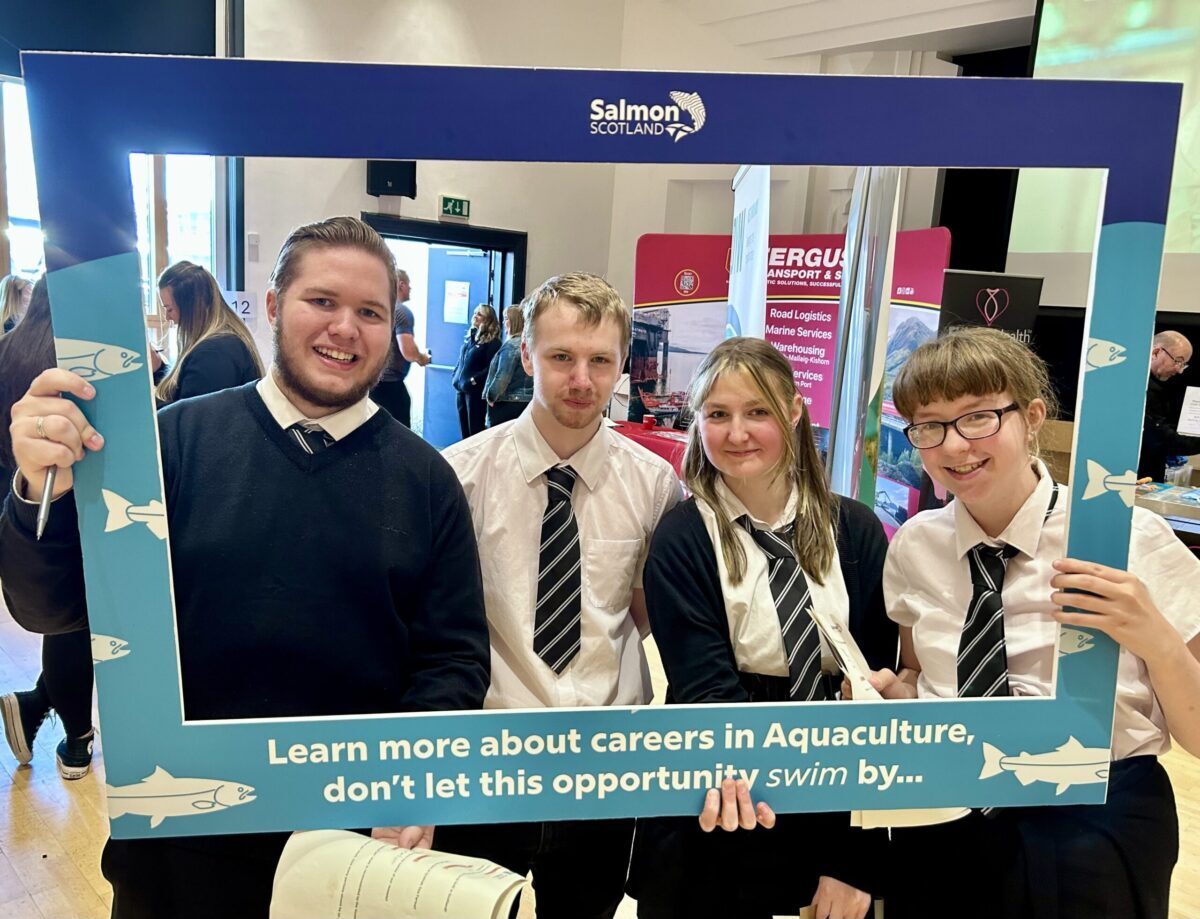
563, 509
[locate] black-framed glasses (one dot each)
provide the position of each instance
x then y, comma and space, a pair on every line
972, 426
1179, 361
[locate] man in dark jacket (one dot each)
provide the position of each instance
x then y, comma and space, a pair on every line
1169, 357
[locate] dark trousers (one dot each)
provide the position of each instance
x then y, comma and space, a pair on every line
579, 866
192, 878
680, 872
393, 395
471, 412
1099, 861
500, 412
66, 679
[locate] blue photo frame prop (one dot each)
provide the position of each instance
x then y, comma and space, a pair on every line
89, 112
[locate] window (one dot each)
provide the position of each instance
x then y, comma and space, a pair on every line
24, 228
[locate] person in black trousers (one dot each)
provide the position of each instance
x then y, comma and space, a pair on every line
474, 359
745, 583
65, 683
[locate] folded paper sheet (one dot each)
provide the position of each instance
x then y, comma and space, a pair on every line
335, 874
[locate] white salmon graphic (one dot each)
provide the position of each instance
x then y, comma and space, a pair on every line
95, 360
122, 513
107, 648
1101, 480
1071, 764
160, 795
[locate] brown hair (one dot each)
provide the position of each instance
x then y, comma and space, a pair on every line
203, 314
490, 330
516, 321
816, 513
593, 296
973, 361
336, 232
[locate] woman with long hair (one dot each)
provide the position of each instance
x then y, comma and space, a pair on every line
474, 358
744, 582
14, 300
976, 400
216, 350
508, 388
65, 683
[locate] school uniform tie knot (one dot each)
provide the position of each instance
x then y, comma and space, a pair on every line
312, 438
793, 606
557, 632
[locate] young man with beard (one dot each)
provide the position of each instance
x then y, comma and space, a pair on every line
563, 510
363, 591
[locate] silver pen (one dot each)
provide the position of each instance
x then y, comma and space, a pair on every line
44, 504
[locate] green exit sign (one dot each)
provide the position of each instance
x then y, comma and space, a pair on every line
458, 208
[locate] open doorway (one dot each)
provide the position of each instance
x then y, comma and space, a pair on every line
452, 269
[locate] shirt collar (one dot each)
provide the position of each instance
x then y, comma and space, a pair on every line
536, 456
734, 507
337, 425
1022, 532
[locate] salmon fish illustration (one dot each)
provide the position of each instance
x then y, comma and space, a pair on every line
1100, 480
1101, 354
122, 513
95, 360
161, 795
1071, 764
107, 648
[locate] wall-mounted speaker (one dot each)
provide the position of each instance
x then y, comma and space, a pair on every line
392, 177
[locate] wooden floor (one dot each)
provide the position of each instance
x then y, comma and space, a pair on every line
51, 831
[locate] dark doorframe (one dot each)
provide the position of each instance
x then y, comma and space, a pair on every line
512, 243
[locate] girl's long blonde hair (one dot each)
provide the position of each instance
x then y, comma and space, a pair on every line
12, 289
203, 314
816, 513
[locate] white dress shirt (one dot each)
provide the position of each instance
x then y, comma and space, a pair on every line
622, 492
754, 628
337, 425
927, 585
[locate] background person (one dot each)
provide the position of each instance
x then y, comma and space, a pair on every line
391, 392
216, 350
15, 292
478, 348
733, 576
1169, 357
65, 683
508, 388
976, 399
326, 468
563, 509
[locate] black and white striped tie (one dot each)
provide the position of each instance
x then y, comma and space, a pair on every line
556, 629
982, 659
312, 438
793, 605
982, 656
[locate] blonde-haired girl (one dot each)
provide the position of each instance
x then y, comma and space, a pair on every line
976, 399
216, 350
733, 580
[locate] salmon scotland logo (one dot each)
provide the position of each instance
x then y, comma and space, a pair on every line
625, 117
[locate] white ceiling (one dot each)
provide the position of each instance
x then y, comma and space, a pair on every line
774, 29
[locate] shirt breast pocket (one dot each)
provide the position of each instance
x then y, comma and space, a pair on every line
609, 567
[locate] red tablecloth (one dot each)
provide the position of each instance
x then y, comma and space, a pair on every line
667, 443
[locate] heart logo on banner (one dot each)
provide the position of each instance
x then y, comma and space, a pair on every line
991, 303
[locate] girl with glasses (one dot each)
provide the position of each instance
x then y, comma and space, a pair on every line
976, 400
736, 581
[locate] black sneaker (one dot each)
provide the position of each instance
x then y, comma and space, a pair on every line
23, 714
75, 756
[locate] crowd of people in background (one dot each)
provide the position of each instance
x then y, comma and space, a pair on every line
553, 547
